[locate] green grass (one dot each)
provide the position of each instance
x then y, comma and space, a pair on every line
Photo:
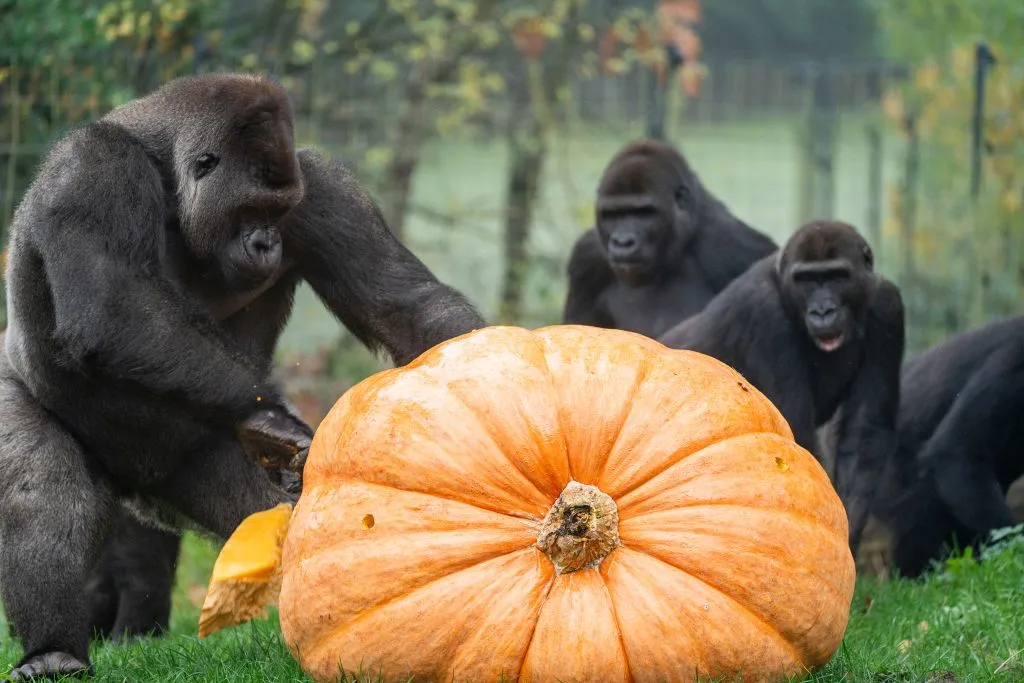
964, 619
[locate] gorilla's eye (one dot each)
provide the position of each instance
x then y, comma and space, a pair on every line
869, 258
683, 196
204, 164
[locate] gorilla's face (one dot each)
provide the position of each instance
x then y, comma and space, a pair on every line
828, 281
237, 176
646, 212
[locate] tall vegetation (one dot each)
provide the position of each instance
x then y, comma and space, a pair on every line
969, 233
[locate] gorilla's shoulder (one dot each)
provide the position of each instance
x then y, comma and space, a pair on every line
90, 166
97, 141
587, 258
587, 246
888, 303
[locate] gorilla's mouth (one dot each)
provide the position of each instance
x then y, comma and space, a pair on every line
829, 341
630, 269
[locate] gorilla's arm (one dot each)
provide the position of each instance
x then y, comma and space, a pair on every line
745, 327
866, 439
727, 246
100, 216
379, 290
967, 483
589, 275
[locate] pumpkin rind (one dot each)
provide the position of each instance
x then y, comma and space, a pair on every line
412, 550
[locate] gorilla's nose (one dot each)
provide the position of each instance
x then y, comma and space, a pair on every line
263, 245
621, 245
823, 315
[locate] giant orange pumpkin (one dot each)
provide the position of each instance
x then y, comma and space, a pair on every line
570, 504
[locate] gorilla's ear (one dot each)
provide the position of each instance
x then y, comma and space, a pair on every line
683, 196
686, 197
869, 257
779, 253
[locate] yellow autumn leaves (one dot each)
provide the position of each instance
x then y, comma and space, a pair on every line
941, 96
123, 20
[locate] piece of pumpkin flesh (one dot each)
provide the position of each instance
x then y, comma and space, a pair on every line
246, 577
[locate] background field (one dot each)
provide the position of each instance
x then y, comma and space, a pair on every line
753, 166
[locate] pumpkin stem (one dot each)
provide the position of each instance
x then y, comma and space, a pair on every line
580, 529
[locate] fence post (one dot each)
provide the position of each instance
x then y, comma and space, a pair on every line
908, 196
824, 130
979, 277
817, 183
660, 94
875, 170
983, 60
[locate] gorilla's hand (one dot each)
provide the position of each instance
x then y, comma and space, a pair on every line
276, 437
290, 481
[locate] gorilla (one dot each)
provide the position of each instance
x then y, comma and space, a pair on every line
821, 334
662, 247
153, 264
961, 427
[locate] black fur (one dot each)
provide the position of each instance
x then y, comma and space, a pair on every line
662, 247
129, 590
152, 267
961, 431
776, 323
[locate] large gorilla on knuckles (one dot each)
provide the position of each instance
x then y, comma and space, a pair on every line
821, 334
662, 246
152, 267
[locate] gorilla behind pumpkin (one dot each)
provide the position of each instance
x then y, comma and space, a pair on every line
152, 267
821, 335
661, 248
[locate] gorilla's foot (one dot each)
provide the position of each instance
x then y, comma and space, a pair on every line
48, 666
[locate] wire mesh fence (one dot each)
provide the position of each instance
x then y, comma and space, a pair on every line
780, 143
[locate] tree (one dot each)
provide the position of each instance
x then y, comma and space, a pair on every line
552, 45
445, 49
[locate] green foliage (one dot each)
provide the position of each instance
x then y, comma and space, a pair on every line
79, 29
66, 27
972, 246
97, 55
920, 29
457, 51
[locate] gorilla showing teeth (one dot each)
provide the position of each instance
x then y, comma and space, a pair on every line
817, 331
152, 267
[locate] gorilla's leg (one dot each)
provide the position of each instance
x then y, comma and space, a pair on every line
130, 592
101, 594
921, 532
967, 448
54, 516
145, 580
922, 527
